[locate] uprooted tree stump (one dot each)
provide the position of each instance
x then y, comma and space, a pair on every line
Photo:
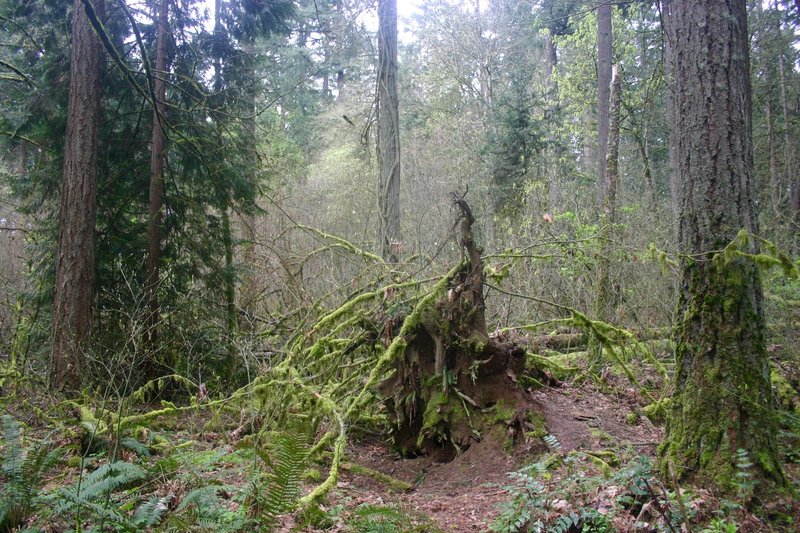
454, 381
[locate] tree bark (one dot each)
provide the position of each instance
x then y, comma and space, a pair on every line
156, 180
604, 55
605, 297
388, 133
722, 400
788, 153
74, 289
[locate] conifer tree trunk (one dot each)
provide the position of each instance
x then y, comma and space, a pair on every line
606, 298
388, 133
604, 58
606, 164
156, 178
722, 400
74, 291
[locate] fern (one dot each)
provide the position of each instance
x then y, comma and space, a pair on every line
287, 461
151, 512
203, 509
745, 480
201, 498
22, 470
135, 446
377, 519
552, 443
92, 493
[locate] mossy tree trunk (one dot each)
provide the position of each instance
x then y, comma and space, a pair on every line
722, 398
451, 367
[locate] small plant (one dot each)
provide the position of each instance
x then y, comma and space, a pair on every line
517, 514
383, 519
92, 496
745, 482
718, 525
23, 470
278, 492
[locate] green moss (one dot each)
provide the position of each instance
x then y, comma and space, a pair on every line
632, 419
312, 474
539, 424
503, 413
599, 434
437, 416
785, 394
657, 411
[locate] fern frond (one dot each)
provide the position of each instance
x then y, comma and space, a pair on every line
151, 512
552, 443
135, 446
287, 461
22, 472
202, 498
13, 452
109, 478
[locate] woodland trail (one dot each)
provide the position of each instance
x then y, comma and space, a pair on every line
463, 494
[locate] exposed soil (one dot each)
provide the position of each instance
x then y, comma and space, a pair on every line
463, 494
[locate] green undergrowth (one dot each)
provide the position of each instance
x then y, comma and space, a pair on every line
580, 491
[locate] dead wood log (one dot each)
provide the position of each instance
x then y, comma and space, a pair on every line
452, 371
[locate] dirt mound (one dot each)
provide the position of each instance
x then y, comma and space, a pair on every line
463, 494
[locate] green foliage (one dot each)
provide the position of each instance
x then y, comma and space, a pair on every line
93, 495
287, 458
203, 509
382, 519
718, 525
562, 505
528, 496
23, 471
745, 479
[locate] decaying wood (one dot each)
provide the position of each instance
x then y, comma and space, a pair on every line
451, 365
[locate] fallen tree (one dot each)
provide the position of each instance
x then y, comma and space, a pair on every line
453, 379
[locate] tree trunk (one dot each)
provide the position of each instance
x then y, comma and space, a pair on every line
722, 400
604, 55
774, 179
788, 150
554, 150
340, 85
74, 290
388, 133
156, 184
605, 297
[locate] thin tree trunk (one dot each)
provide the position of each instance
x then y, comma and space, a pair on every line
248, 286
340, 85
156, 184
788, 154
722, 399
74, 289
388, 133
553, 147
602, 291
228, 275
606, 296
774, 178
604, 55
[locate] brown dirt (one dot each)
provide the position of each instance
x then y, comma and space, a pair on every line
463, 495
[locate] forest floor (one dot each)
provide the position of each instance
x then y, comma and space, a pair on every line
594, 444
465, 494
